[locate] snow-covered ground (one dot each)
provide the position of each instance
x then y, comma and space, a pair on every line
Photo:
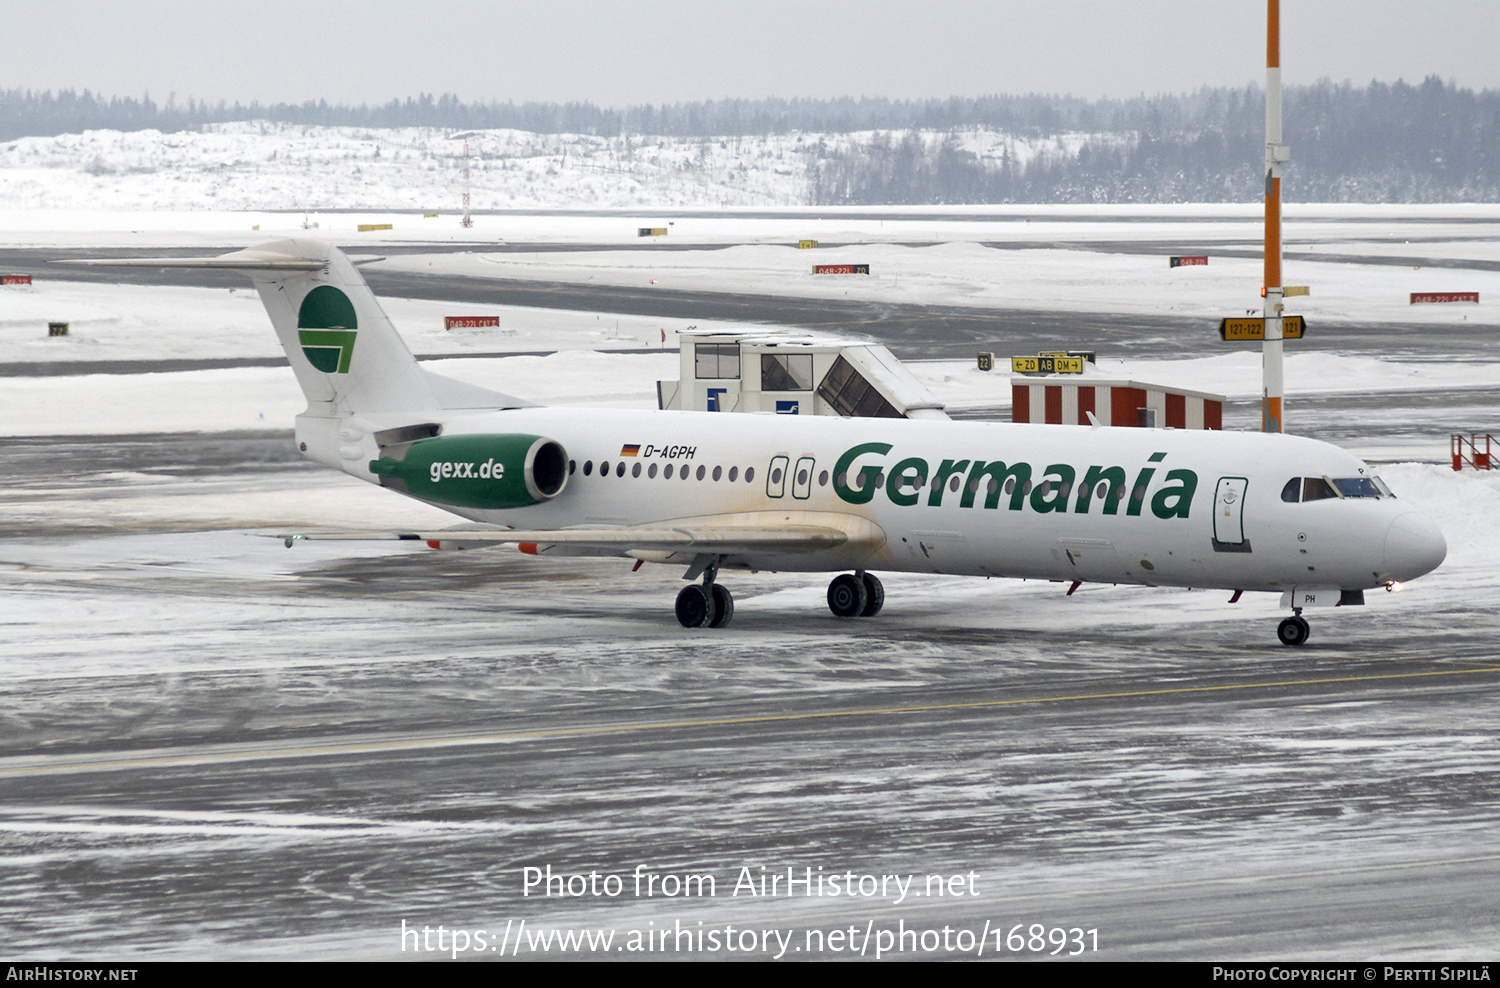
623, 373
595, 357
274, 166
970, 274
1337, 228
1110, 260
261, 165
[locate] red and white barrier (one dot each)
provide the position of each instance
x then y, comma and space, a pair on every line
1114, 403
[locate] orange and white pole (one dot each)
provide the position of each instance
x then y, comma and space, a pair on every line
1276, 153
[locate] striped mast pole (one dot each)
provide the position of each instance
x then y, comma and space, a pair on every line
1276, 153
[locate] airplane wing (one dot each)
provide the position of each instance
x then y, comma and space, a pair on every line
718, 539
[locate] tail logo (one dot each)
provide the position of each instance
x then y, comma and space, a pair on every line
326, 326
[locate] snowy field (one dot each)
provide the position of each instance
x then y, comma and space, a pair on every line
1467, 230
570, 357
267, 398
971, 274
259, 165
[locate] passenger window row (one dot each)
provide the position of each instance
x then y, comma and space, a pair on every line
687, 472
667, 472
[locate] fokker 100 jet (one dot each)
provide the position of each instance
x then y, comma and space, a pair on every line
715, 492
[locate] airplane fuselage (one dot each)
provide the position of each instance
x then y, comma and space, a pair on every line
1117, 505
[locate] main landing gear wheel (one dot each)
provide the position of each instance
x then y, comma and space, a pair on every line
847, 596
723, 606
700, 606
695, 606
1293, 631
874, 595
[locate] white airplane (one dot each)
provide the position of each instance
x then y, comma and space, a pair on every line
716, 492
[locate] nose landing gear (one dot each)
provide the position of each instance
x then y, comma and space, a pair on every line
1294, 630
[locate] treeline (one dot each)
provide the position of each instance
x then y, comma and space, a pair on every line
25, 113
1382, 142
1377, 143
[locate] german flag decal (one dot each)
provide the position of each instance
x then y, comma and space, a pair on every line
630, 449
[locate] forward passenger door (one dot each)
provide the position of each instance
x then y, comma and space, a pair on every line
1229, 515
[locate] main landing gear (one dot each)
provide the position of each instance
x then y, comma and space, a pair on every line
856, 595
709, 605
705, 605
1294, 630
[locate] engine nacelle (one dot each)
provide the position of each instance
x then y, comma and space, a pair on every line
476, 471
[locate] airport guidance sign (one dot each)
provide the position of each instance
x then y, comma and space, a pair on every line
1419, 297
471, 322
1240, 330
1046, 365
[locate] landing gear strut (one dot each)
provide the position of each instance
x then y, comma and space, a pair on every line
856, 595
705, 605
1294, 630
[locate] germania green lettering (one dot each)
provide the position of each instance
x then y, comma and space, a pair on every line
861, 473
869, 476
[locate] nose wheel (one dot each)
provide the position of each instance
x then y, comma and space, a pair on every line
1293, 631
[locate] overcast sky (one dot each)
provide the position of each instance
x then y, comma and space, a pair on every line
662, 51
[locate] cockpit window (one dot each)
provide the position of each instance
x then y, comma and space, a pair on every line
1322, 488
1357, 487
1316, 489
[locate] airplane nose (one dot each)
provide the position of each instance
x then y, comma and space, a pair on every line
1413, 546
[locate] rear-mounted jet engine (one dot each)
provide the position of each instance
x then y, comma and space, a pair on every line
477, 471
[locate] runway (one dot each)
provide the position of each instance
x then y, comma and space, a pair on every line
219, 747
